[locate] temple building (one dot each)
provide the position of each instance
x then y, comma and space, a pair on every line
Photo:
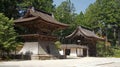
37, 29
82, 42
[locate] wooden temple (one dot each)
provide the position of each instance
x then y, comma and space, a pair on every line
82, 42
37, 31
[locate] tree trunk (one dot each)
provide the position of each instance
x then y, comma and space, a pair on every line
0, 53
119, 36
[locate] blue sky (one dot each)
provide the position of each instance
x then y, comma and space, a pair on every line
80, 5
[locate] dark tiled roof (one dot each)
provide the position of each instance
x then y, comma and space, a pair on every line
85, 33
33, 14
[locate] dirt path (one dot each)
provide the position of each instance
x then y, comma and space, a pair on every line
81, 62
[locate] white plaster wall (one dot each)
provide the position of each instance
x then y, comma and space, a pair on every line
33, 48
61, 52
73, 52
80, 52
29, 46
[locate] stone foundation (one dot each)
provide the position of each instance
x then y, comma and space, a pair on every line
40, 50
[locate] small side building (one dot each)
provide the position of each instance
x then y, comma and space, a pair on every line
82, 43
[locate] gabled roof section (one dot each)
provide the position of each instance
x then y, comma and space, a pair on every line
25, 19
79, 31
33, 14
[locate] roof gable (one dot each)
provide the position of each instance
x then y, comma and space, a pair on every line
79, 31
33, 14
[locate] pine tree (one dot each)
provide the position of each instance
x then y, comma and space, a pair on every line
7, 34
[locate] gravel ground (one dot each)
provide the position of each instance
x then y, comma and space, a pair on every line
79, 62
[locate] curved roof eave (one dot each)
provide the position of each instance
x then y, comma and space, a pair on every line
85, 33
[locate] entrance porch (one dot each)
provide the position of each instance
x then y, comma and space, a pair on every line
74, 50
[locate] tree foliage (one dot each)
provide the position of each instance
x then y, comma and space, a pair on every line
65, 14
7, 34
80, 20
103, 17
45, 5
9, 8
101, 13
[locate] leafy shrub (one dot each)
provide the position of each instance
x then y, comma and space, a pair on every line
103, 50
58, 44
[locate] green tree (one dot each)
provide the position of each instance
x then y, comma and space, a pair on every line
9, 8
80, 20
7, 34
65, 14
90, 16
45, 5
104, 15
65, 11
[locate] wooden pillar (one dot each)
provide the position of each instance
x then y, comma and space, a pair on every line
63, 51
76, 52
87, 51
